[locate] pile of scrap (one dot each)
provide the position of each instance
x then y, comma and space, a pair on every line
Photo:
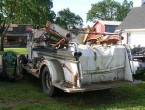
92, 37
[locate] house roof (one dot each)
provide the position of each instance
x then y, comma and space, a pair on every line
19, 29
110, 22
135, 19
16, 35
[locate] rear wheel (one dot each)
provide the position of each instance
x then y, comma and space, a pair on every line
48, 88
22, 60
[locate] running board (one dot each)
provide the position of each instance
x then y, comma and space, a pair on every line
35, 72
93, 87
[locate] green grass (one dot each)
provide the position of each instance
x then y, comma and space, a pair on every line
27, 94
16, 50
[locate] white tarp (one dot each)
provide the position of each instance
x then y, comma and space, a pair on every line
102, 60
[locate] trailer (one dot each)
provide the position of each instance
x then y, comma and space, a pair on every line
76, 67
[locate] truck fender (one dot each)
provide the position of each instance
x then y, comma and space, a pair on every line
55, 69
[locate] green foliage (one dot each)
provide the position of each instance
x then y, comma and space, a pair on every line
24, 12
27, 11
109, 10
66, 17
124, 10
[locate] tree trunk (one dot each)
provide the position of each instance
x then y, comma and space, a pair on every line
1, 41
2, 35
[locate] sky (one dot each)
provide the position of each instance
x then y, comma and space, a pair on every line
79, 7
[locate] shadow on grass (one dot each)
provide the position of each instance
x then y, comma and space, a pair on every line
126, 97
122, 97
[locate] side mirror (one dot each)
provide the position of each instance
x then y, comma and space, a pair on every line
122, 37
77, 54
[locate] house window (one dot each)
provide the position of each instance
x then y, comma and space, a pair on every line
110, 28
10, 29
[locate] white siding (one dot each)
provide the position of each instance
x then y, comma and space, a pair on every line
136, 38
137, 3
124, 41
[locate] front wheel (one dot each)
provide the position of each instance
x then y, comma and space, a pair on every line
48, 88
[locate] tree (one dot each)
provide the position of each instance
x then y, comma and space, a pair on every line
3, 20
66, 17
124, 10
108, 10
31, 11
24, 12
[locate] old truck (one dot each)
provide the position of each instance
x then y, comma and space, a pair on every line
76, 67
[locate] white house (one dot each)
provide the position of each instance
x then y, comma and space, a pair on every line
134, 25
138, 3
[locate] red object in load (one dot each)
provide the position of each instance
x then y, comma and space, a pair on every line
99, 27
96, 29
47, 25
29, 29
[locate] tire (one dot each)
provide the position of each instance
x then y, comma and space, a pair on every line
22, 60
48, 88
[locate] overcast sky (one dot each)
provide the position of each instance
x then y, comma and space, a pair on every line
79, 7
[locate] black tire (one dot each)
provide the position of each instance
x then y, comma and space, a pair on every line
22, 60
48, 88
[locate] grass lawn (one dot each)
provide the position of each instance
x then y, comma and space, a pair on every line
16, 50
27, 94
